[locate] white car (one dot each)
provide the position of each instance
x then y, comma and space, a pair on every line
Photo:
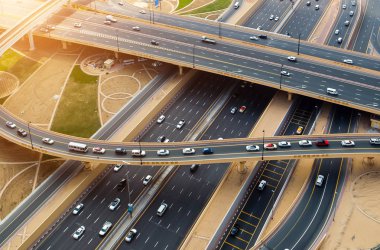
48, 141
117, 167
142, 12
132, 233
284, 144
136, 28
331, 91
10, 124
316, 7
98, 150
77, 25
163, 152
79, 232
348, 61
233, 110
106, 226
114, 204
352, 13
252, 148
181, 123
262, 185
161, 119
304, 143
374, 141
337, 32
346, 23
147, 180
276, 18
271, 17
78, 208
254, 38
344, 6
285, 73
188, 151
348, 143
270, 146
319, 180
292, 58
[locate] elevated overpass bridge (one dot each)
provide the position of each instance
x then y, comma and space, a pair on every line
230, 150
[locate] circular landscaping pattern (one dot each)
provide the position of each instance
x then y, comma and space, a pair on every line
366, 195
8, 84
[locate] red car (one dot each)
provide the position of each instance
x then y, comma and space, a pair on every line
270, 146
242, 109
322, 143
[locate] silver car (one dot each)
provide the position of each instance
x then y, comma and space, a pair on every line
114, 204
163, 152
252, 148
79, 232
105, 228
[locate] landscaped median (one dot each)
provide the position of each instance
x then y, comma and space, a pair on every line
77, 112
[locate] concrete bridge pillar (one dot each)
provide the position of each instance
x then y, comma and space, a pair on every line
180, 70
31, 41
290, 96
116, 55
64, 45
242, 169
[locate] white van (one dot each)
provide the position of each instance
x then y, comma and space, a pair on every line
138, 152
161, 210
331, 91
236, 5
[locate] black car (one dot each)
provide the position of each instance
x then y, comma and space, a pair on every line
235, 230
120, 151
161, 138
154, 42
122, 184
194, 168
263, 36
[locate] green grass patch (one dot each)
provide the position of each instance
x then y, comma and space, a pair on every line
77, 112
214, 6
18, 65
183, 4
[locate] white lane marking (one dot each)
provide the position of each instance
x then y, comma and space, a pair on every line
103, 200
95, 197
65, 229
147, 240
89, 241
88, 216
96, 220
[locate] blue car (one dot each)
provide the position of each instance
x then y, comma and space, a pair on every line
208, 151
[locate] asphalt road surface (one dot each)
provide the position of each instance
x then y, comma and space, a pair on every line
187, 193
317, 204
253, 215
191, 106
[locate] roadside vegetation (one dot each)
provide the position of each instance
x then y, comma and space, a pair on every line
77, 112
183, 4
18, 65
214, 6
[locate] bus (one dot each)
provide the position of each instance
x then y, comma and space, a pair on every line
79, 147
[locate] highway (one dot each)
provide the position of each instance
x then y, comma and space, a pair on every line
22, 212
239, 33
317, 203
187, 193
369, 27
191, 105
270, 7
344, 31
257, 207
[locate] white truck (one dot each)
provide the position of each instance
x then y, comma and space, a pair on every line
111, 18
205, 39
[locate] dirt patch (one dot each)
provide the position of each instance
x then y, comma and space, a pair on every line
37, 97
47, 168
10, 152
8, 83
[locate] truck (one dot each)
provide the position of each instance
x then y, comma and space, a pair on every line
111, 18
205, 39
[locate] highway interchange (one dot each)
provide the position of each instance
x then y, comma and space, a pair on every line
139, 176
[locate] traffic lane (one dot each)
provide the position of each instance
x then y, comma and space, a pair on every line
315, 211
304, 18
367, 26
342, 120
105, 191
144, 36
179, 193
96, 211
238, 124
212, 28
261, 16
344, 31
207, 181
317, 223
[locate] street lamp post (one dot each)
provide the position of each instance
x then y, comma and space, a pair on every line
138, 138
130, 204
30, 136
271, 211
299, 43
282, 65
262, 151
